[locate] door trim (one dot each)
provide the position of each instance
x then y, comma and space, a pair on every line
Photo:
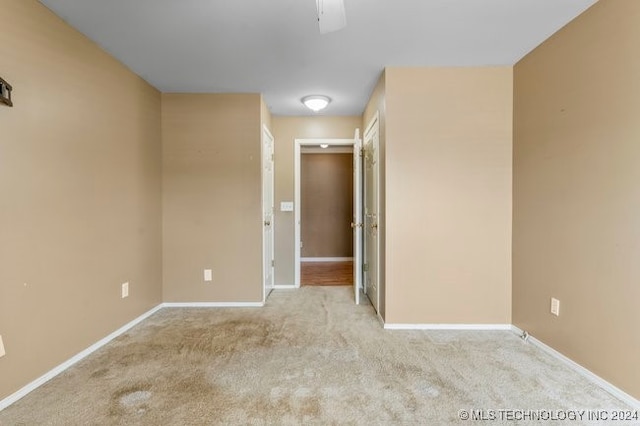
372, 123
298, 144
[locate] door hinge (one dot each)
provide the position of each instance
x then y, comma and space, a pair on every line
361, 152
273, 263
365, 267
272, 157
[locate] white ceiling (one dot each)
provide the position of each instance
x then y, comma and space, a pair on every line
274, 46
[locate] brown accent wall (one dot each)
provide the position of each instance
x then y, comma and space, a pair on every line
448, 195
212, 212
80, 203
285, 131
326, 210
576, 198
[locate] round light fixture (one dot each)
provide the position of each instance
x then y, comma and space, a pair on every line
324, 145
316, 102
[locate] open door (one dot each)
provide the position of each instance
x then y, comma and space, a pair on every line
356, 224
267, 213
370, 214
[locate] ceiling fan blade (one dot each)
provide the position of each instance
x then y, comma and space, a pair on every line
331, 15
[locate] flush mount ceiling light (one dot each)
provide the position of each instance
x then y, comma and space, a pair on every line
316, 102
324, 145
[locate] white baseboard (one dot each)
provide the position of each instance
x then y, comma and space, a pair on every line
388, 326
213, 305
74, 359
284, 287
599, 381
326, 259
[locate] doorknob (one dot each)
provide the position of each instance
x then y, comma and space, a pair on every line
374, 226
267, 223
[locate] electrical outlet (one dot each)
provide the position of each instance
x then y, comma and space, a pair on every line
2, 352
125, 290
555, 306
208, 275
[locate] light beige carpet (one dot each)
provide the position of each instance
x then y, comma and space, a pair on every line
309, 357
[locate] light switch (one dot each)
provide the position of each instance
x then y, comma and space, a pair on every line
208, 275
286, 206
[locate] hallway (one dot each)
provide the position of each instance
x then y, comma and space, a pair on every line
326, 273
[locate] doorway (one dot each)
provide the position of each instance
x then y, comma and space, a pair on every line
326, 207
316, 261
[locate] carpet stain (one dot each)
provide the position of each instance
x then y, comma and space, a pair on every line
192, 385
308, 407
136, 352
427, 389
405, 371
134, 398
99, 373
233, 336
309, 357
130, 399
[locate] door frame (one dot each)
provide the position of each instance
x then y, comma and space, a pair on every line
266, 289
298, 144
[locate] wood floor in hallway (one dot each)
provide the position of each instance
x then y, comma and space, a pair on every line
326, 273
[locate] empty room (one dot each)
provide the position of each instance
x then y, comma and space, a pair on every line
459, 176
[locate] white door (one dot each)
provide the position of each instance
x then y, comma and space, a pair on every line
267, 212
371, 169
356, 224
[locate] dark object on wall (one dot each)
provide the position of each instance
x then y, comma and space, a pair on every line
5, 93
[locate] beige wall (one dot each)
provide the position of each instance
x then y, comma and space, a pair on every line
80, 183
576, 197
212, 197
326, 205
448, 195
377, 106
81, 210
285, 131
